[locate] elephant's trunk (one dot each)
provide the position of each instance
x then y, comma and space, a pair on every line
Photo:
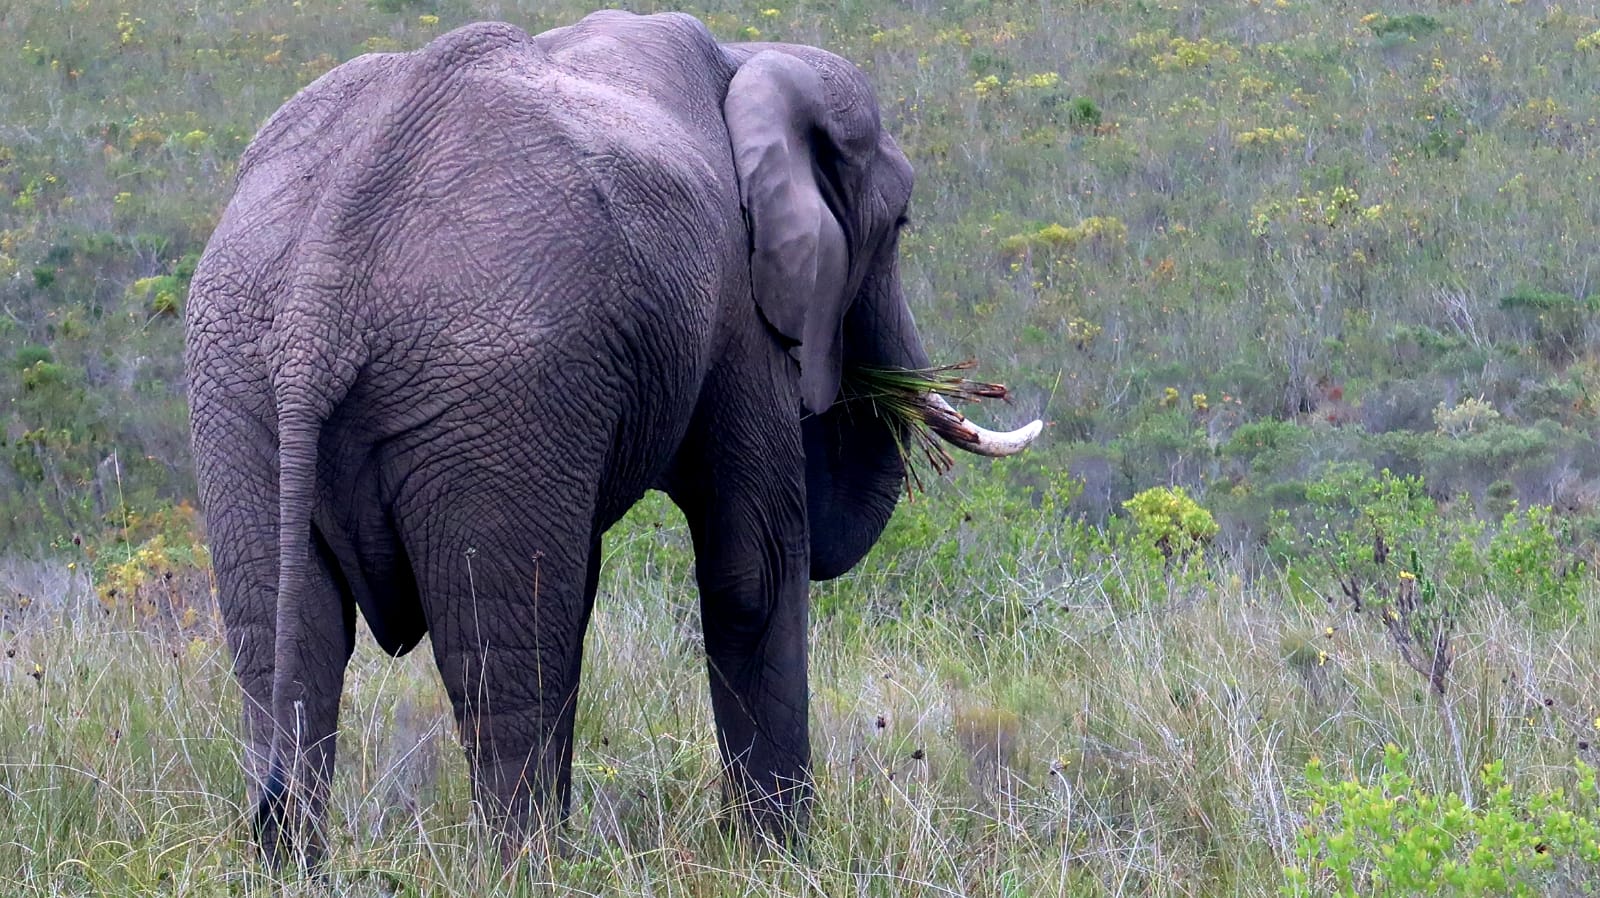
963, 434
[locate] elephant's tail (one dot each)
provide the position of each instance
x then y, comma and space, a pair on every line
307, 676
298, 436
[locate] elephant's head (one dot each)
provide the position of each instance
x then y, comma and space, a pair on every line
825, 191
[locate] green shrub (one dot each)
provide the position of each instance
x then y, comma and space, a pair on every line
161, 295
1266, 445
1411, 25
30, 355
971, 531
986, 63
1364, 517
394, 6
1441, 143
1057, 238
1556, 321
164, 294
1083, 112
1166, 443
1392, 552
1535, 300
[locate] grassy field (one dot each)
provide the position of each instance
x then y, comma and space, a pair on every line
1322, 275
981, 729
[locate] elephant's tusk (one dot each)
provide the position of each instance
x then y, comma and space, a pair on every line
963, 434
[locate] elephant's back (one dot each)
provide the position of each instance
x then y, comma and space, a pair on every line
544, 252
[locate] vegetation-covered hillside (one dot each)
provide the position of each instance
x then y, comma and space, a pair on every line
1308, 292
1215, 247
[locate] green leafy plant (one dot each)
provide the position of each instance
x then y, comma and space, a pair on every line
1359, 519
1393, 837
28, 356
1393, 554
1527, 561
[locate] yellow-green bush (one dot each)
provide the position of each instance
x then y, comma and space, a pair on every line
1166, 518
1395, 837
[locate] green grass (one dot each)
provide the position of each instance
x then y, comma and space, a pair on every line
1256, 251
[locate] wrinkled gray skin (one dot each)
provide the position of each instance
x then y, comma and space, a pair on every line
466, 306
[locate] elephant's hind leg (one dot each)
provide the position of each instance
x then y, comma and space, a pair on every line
508, 615
241, 526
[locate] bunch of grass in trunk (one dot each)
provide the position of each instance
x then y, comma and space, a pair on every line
900, 397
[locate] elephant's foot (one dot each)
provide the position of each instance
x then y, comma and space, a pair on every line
777, 814
533, 845
524, 793
529, 830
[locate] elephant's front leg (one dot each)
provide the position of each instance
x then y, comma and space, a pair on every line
747, 515
753, 609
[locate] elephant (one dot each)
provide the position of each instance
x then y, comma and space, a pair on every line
466, 305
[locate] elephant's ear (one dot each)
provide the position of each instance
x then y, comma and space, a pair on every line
799, 260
